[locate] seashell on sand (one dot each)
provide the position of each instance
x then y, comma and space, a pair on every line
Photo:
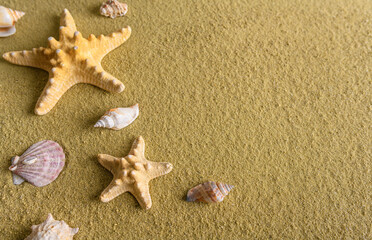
8, 18
118, 118
209, 192
39, 165
113, 9
52, 229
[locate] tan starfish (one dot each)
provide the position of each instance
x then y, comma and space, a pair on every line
71, 60
132, 174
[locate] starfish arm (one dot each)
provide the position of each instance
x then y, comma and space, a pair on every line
141, 192
35, 58
102, 79
138, 148
67, 21
67, 26
53, 91
107, 162
157, 169
112, 191
105, 44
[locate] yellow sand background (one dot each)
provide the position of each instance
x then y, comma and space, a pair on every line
271, 96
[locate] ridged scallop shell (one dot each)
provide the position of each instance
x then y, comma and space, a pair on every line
39, 165
113, 9
52, 229
8, 18
118, 118
209, 192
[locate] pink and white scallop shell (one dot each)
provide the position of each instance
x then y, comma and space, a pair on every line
39, 165
52, 229
113, 9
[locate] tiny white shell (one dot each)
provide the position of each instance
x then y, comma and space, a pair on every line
52, 229
16, 179
118, 118
8, 18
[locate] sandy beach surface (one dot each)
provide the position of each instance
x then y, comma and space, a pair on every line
273, 97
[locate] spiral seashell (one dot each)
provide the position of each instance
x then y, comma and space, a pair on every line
209, 192
39, 165
118, 118
8, 18
113, 9
52, 229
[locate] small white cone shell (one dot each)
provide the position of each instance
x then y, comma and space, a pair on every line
8, 18
118, 118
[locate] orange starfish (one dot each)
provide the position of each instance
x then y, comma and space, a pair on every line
132, 174
71, 60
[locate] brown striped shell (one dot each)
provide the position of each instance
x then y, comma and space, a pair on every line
113, 9
39, 165
209, 192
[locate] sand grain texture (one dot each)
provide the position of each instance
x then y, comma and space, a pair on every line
272, 97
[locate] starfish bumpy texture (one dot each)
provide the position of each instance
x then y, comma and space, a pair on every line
132, 174
71, 60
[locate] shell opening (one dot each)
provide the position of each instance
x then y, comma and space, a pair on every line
12, 168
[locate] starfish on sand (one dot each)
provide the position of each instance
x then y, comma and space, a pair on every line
71, 60
132, 174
